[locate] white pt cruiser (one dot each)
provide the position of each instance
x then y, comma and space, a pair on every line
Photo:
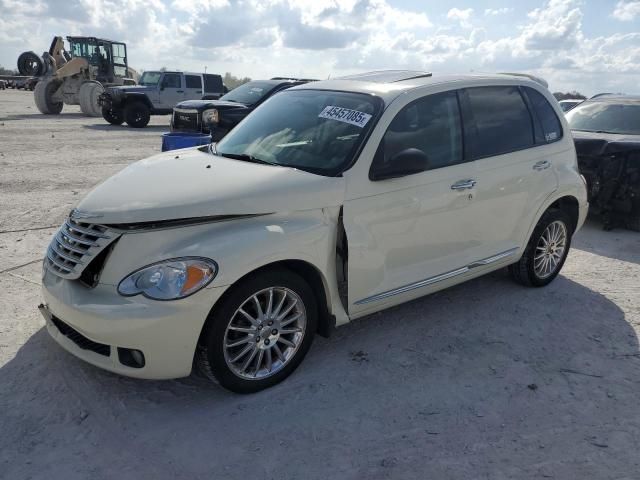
331, 201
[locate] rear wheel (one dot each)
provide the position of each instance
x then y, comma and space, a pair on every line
259, 333
546, 251
43, 95
137, 114
115, 116
88, 96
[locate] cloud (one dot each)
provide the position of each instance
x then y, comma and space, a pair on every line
492, 12
626, 11
461, 16
318, 38
554, 27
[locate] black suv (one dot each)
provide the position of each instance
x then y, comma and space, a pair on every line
218, 117
606, 131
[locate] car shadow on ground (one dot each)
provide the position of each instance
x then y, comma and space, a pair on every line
149, 128
625, 247
35, 116
484, 380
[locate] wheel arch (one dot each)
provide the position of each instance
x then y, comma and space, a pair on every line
137, 97
310, 273
570, 206
566, 201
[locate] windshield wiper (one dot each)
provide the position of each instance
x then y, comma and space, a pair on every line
245, 157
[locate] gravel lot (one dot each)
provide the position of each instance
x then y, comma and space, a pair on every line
488, 380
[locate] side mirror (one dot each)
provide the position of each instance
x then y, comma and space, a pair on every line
403, 163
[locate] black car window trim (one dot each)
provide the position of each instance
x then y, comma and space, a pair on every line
463, 155
539, 120
472, 125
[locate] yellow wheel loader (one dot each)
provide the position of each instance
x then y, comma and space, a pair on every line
77, 76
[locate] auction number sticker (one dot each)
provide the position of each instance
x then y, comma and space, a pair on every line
346, 115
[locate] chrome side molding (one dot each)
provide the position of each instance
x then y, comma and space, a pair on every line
439, 278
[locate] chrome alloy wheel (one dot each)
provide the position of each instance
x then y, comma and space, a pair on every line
550, 249
264, 333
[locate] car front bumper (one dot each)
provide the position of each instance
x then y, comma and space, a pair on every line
101, 321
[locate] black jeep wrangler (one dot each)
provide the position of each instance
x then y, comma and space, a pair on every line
218, 117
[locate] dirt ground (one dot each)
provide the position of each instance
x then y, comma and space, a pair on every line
488, 380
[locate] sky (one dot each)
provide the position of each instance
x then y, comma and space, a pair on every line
586, 45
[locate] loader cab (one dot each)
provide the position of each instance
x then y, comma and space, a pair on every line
110, 58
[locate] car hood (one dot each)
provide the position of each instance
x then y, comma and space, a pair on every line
204, 104
192, 183
602, 144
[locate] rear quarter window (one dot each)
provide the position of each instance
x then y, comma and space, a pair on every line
546, 116
497, 121
213, 83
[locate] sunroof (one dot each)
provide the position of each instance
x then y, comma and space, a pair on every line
387, 76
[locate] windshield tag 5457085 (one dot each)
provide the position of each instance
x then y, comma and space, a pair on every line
346, 115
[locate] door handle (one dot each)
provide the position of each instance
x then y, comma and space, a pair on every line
179, 91
464, 184
542, 165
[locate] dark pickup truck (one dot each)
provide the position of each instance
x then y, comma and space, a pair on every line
218, 117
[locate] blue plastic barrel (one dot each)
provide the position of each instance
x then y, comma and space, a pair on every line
175, 140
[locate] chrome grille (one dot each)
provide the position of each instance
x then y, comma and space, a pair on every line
74, 245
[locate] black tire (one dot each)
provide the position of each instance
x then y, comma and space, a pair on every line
524, 271
137, 114
30, 64
210, 353
43, 96
115, 116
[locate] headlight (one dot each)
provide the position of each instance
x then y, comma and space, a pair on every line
210, 116
170, 279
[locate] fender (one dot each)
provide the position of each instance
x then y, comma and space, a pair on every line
567, 191
307, 236
131, 96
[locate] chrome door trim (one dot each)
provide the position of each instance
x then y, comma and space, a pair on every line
464, 184
438, 278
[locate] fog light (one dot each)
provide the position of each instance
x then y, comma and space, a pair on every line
131, 358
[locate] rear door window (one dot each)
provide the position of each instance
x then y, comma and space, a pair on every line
193, 81
497, 121
546, 115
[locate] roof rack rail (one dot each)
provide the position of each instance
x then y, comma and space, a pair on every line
294, 79
538, 80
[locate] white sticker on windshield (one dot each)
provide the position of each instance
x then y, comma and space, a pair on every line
346, 115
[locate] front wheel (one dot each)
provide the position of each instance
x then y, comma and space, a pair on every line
115, 116
259, 333
137, 114
546, 251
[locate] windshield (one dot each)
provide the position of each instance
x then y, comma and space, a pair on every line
314, 130
150, 78
606, 117
249, 93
